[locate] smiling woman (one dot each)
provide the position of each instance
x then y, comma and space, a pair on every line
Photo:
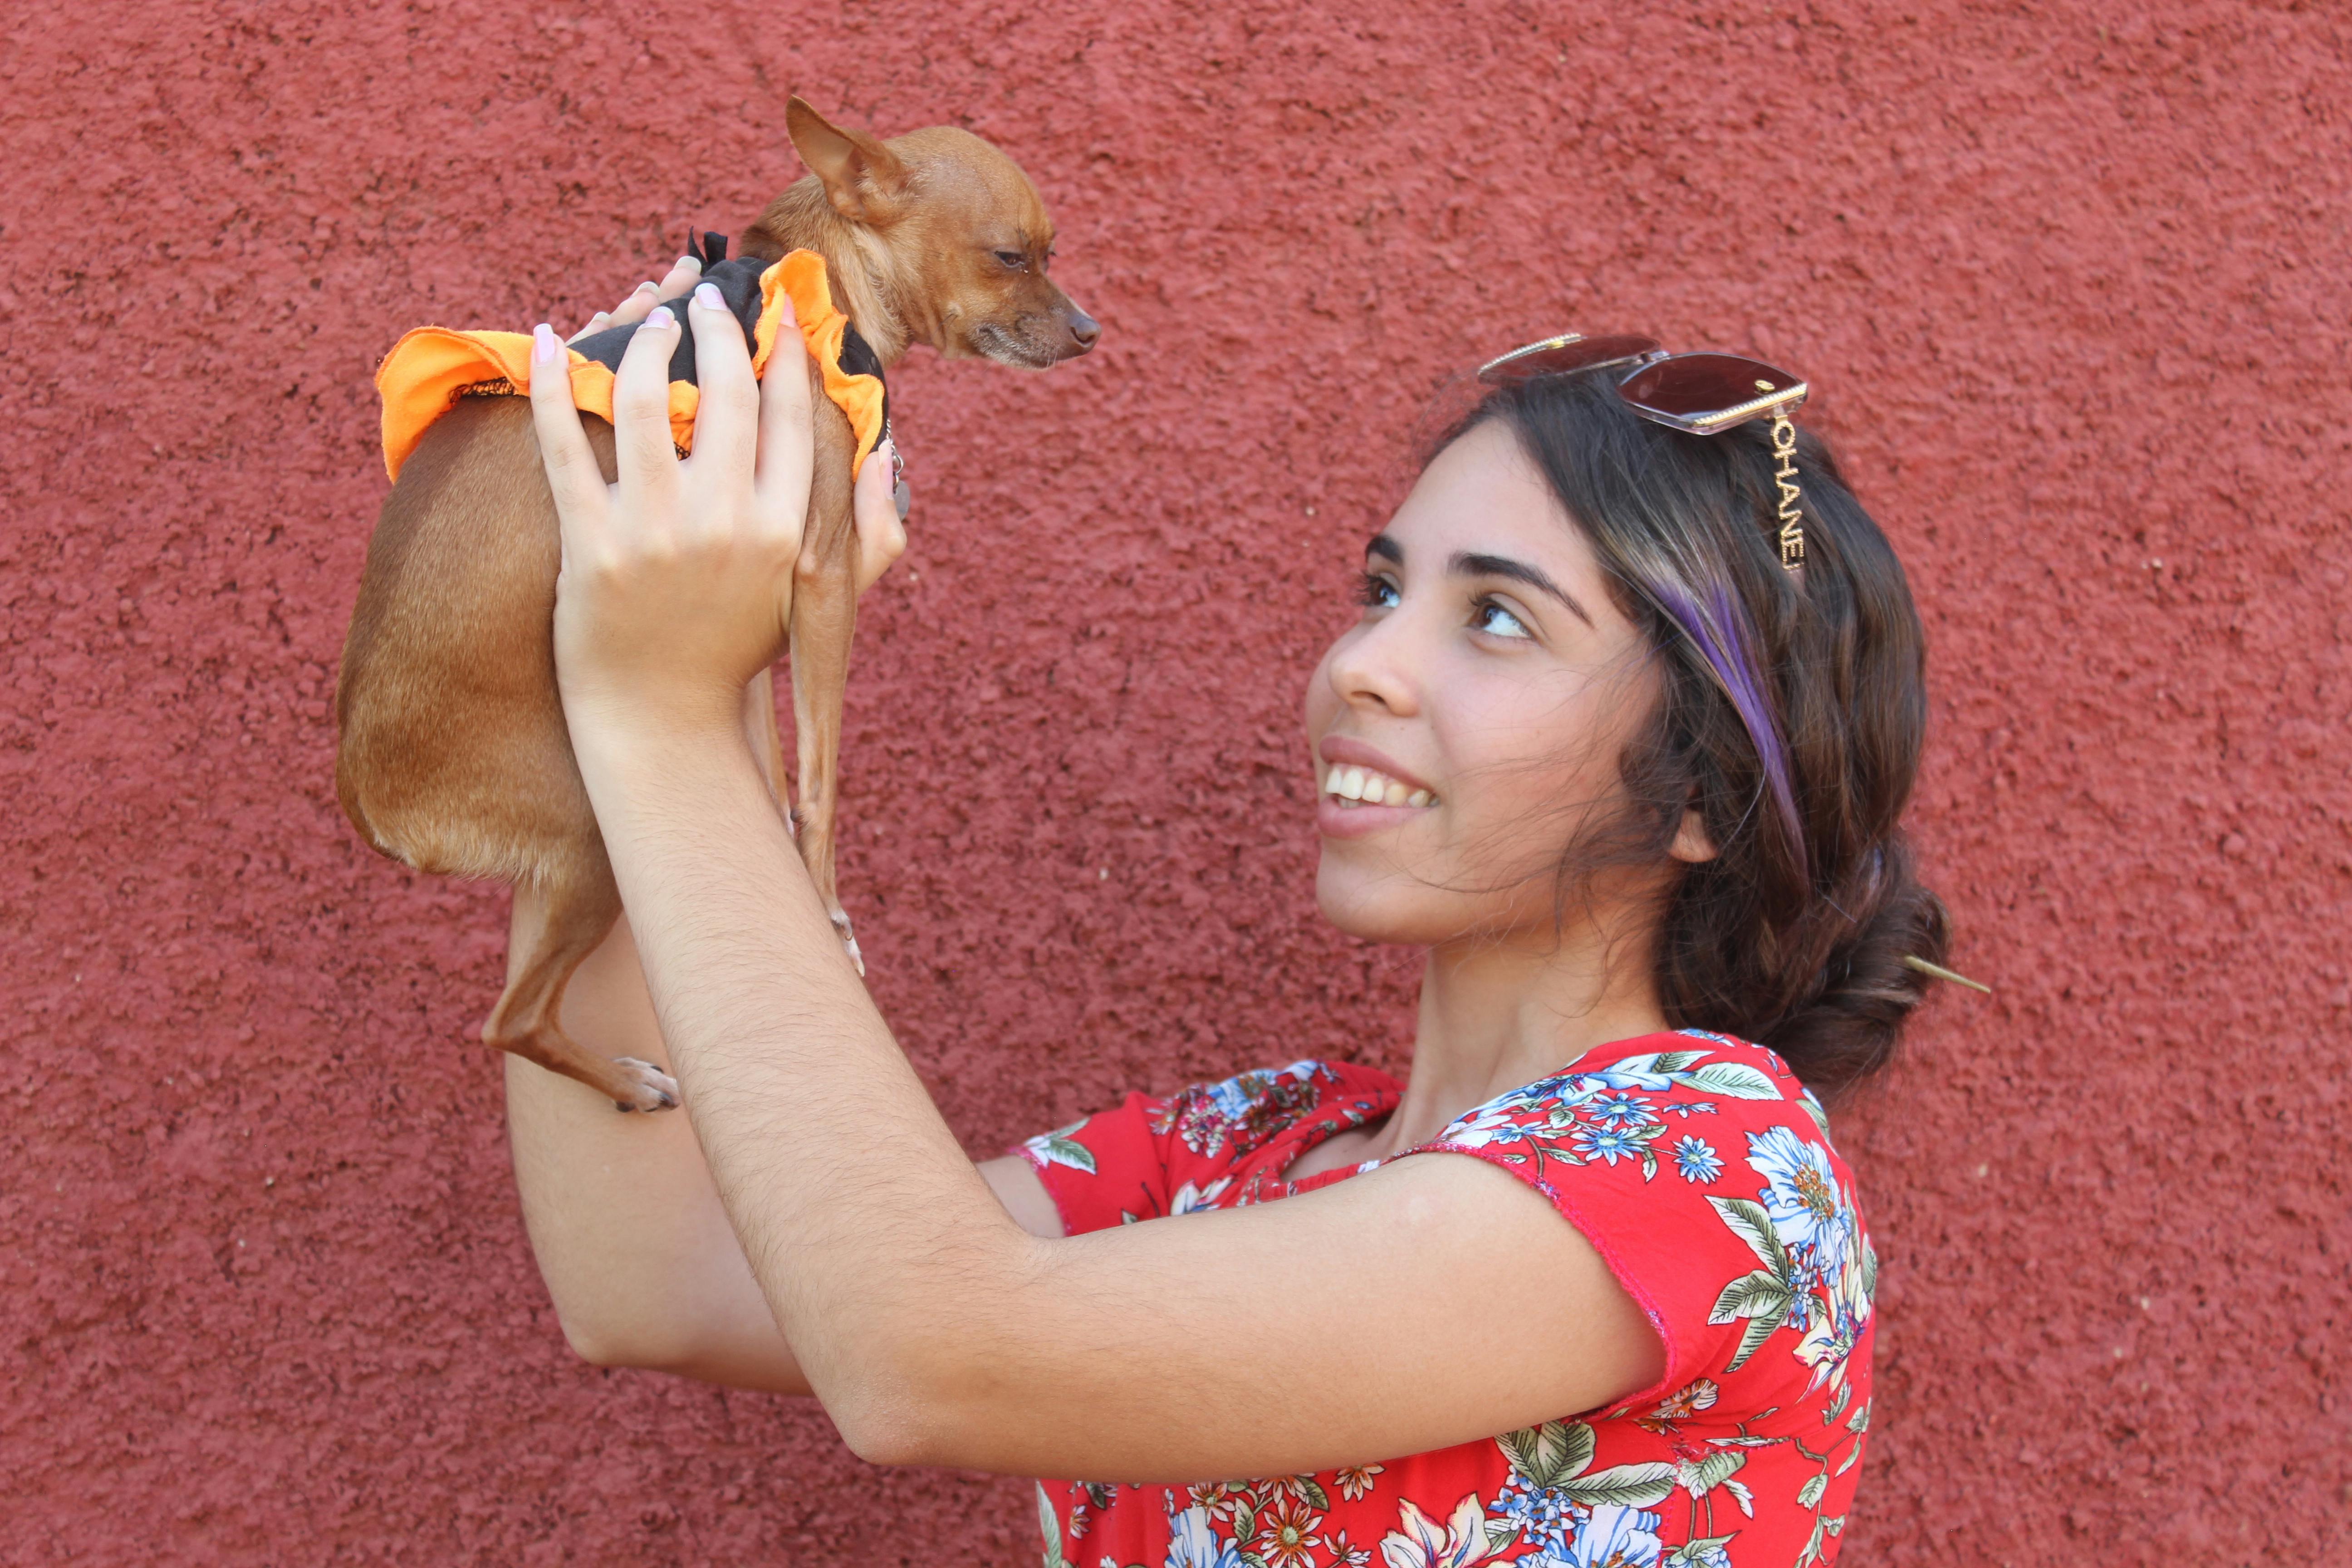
1631, 787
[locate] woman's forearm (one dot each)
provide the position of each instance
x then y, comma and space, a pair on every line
624, 1221
860, 1214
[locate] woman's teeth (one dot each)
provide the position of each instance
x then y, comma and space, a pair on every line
1361, 786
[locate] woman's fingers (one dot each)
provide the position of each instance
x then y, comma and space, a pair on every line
787, 436
644, 448
727, 419
881, 532
683, 275
572, 472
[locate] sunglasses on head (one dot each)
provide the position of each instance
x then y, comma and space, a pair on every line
1697, 394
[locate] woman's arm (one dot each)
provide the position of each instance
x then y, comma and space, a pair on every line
638, 1254
1431, 1302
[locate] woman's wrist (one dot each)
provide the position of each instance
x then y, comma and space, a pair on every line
641, 752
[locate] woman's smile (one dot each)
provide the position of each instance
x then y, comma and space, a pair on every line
1360, 790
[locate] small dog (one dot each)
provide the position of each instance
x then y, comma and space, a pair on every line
451, 753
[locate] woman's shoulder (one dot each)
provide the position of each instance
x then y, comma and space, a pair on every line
1623, 1101
1702, 1171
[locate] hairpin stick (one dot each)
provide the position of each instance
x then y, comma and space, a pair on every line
1937, 972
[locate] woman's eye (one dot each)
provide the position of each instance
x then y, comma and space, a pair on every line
1492, 618
1376, 592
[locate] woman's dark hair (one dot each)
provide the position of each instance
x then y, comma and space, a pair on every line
1790, 717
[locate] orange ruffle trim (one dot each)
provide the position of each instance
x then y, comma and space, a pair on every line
430, 368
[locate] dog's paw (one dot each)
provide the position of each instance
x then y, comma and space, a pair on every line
652, 1089
841, 928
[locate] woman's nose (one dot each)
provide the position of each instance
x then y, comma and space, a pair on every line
1373, 668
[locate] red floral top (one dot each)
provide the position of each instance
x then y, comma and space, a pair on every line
1702, 1172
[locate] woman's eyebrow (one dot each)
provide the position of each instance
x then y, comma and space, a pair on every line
1387, 549
1467, 565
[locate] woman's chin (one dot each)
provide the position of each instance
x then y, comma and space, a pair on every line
1391, 906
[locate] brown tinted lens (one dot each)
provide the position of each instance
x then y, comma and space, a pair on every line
1568, 359
1687, 386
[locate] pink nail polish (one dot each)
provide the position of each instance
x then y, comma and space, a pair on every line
660, 319
543, 345
706, 295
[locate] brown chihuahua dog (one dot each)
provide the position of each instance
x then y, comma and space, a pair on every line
451, 754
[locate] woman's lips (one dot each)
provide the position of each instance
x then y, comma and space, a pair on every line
1361, 792
1335, 817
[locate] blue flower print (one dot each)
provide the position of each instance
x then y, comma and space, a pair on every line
1544, 1513
1193, 1543
1609, 1143
1614, 1536
1697, 1161
1691, 1107
1801, 1194
1619, 1109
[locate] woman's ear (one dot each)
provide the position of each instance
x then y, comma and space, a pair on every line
1692, 845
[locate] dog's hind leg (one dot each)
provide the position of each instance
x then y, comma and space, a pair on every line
561, 912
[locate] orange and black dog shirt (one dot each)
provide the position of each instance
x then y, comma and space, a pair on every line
430, 367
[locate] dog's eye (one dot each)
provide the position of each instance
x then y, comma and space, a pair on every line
1014, 259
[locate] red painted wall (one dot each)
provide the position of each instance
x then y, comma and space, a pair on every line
2076, 298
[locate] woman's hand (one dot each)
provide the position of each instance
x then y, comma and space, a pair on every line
683, 276
675, 585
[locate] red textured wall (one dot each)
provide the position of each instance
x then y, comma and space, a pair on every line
2075, 296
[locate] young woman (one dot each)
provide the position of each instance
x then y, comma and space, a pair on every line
1621, 738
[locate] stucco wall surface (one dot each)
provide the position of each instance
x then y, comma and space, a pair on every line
2073, 289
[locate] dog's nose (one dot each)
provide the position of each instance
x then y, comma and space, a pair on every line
1084, 328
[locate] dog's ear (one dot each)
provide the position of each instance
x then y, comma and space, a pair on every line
863, 179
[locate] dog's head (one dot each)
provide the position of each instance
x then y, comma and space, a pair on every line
952, 237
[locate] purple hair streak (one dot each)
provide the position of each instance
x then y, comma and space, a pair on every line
1721, 641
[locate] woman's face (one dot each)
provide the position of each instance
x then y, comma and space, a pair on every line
1483, 700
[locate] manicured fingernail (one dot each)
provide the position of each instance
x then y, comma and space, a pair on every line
707, 296
647, 287
660, 319
543, 346
693, 261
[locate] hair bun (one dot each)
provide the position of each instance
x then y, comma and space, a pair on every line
1846, 1027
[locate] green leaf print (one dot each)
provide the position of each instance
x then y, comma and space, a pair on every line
1670, 1061
1069, 1151
1628, 1486
1699, 1549
1811, 1492
1703, 1476
1051, 1523
1751, 1339
1736, 1081
1860, 1420
1757, 1295
1549, 1454
1751, 1223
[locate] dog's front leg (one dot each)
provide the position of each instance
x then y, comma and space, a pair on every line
824, 621
768, 741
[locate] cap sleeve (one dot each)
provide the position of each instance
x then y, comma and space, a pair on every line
1109, 1169
1705, 1179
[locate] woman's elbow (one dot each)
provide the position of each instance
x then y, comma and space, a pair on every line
901, 1430
602, 1342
